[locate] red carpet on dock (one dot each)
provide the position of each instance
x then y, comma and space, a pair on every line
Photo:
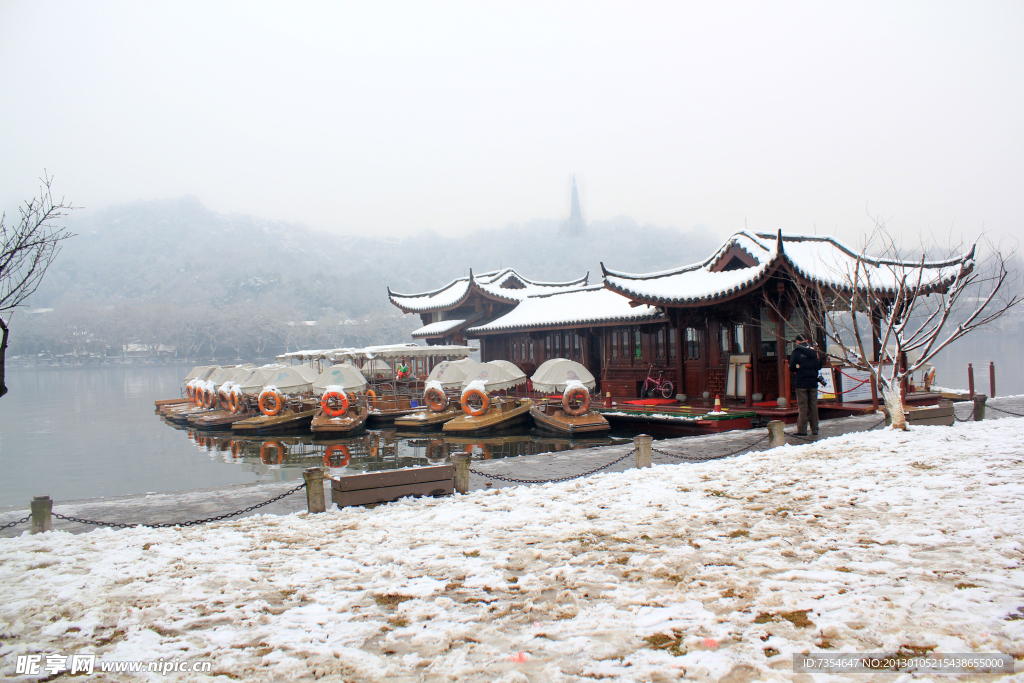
652, 402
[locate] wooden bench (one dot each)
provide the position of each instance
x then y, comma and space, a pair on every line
941, 414
385, 487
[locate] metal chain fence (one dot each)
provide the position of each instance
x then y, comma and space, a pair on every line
552, 481
705, 458
11, 525
1001, 410
167, 525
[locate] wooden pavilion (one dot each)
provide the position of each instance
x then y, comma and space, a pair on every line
697, 326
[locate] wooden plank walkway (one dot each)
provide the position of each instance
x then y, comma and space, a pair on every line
181, 506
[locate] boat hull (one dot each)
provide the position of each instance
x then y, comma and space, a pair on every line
350, 423
218, 419
427, 419
557, 421
503, 414
266, 424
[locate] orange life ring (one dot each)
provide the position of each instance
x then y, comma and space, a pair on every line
188, 391
235, 402
485, 402
223, 399
371, 396
280, 452
374, 444
436, 399
583, 397
343, 449
334, 396
278, 403
236, 448
484, 449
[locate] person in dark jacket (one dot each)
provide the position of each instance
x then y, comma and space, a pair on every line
805, 363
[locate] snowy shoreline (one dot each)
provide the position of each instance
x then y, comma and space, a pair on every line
870, 541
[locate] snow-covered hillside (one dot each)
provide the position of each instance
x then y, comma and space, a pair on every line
866, 542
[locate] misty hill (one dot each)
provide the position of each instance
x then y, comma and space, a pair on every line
179, 252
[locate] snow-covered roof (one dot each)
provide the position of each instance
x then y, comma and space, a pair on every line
746, 259
592, 305
504, 285
443, 327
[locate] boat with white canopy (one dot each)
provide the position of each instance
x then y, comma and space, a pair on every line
342, 392
441, 395
219, 413
284, 399
484, 409
571, 413
400, 392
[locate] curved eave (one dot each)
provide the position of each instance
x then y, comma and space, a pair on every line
938, 286
732, 293
428, 309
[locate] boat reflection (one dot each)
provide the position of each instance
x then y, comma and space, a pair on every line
376, 450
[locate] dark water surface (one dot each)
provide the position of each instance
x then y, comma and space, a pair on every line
74, 433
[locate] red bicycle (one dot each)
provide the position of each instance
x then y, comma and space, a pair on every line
657, 384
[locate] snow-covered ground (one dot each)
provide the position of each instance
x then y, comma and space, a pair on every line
866, 542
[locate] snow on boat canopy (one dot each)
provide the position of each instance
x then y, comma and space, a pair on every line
200, 372
402, 351
287, 379
345, 375
496, 375
553, 375
451, 374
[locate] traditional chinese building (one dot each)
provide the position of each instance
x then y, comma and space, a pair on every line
697, 326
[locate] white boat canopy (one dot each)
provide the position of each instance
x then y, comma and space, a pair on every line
199, 372
311, 374
495, 376
552, 376
451, 373
344, 375
286, 379
377, 368
402, 351
235, 374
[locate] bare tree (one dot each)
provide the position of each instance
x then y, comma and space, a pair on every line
891, 316
26, 250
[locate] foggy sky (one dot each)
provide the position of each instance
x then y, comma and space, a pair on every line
398, 117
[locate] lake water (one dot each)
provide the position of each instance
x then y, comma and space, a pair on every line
74, 433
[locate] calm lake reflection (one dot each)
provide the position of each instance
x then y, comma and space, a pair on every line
75, 433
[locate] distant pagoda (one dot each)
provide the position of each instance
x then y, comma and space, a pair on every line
574, 227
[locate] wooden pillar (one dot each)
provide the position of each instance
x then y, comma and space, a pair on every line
979, 407
876, 335
681, 387
780, 356
992, 379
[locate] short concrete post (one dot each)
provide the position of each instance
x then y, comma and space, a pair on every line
642, 444
42, 507
979, 407
461, 462
776, 434
314, 477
